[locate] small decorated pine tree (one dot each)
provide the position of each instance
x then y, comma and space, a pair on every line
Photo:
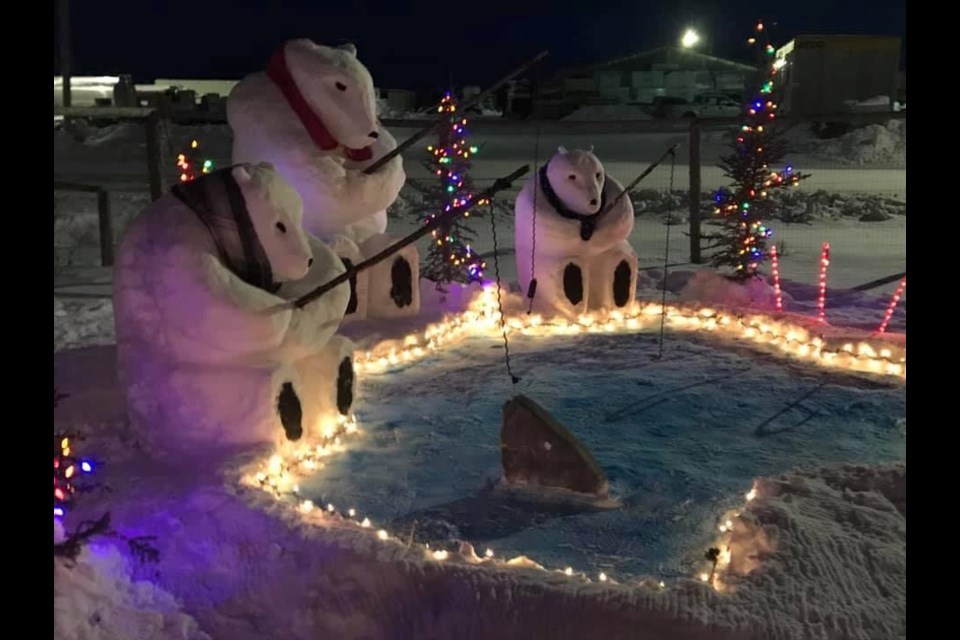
744, 206
450, 257
191, 165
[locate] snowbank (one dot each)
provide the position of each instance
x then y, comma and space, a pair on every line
869, 145
94, 598
712, 288
838, 536
609, 112
82, 323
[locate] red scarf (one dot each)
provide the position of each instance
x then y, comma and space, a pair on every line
278, 71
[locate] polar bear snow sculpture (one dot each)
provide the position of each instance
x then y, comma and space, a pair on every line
581, 261
209, 353
313, 115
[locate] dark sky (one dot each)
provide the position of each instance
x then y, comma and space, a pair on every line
420, 44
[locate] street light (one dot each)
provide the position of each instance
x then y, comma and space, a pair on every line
689, 39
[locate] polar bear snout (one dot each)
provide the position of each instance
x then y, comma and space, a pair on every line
594, 202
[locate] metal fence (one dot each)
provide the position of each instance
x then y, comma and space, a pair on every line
855, 198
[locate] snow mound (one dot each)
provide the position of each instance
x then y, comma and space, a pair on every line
837, 536
712, 288
609, 112
82, 323
94, 598
872, 144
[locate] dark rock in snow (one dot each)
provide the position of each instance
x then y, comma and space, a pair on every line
875, 216
536, 449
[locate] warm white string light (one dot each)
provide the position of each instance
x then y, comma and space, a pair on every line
280, 473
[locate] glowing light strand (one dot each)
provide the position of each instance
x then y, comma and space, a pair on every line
894, 300
281, 473
188, 165
822, 293
775, 269
66, 470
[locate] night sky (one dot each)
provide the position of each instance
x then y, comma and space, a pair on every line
426, 44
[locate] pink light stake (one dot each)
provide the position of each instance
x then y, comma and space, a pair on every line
893, 305
775, 266
822, 297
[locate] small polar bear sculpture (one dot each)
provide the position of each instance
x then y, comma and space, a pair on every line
580, 258
210, 351
313, 115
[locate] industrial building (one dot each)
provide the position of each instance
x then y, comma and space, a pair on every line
642, 79
830, 74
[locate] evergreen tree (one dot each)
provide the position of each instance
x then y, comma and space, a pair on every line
745, 205
450, 257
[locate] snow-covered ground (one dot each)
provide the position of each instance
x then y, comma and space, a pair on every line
246, 566
681, 438
866, 160
94, 598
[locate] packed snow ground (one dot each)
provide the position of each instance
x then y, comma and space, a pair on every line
94, 598
867, 160
245, 572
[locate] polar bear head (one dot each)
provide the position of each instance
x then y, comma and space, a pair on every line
338, 89
577, 178
276, 211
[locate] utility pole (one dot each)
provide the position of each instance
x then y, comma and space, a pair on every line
63, 29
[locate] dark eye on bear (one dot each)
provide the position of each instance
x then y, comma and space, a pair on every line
572, 177
341, 86
598, 175
282, 228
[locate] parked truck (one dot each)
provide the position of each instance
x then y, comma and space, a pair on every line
828, 74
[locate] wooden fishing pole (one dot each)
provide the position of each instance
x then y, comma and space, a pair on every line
499, 185
445, 117
630, 187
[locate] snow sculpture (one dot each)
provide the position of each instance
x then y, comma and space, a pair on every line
581, 260
209, 353
313, 115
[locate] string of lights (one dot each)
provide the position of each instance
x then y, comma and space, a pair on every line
190, 168
822, 290
281, 473
775, 269
66, 469
894, 300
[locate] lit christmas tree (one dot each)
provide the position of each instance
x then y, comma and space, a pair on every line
450, 258
743, 207
190, 165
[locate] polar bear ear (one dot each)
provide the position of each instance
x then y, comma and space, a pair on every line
562, 149
590, 149
349, 47
241, 174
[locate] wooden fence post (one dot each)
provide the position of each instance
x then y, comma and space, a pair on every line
66, 68
106, 228
694, 157
156, 139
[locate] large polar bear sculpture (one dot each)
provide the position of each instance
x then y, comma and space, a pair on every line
210, 351
313, 114
580, 259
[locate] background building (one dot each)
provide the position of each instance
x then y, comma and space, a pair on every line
642, 78
825, 74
